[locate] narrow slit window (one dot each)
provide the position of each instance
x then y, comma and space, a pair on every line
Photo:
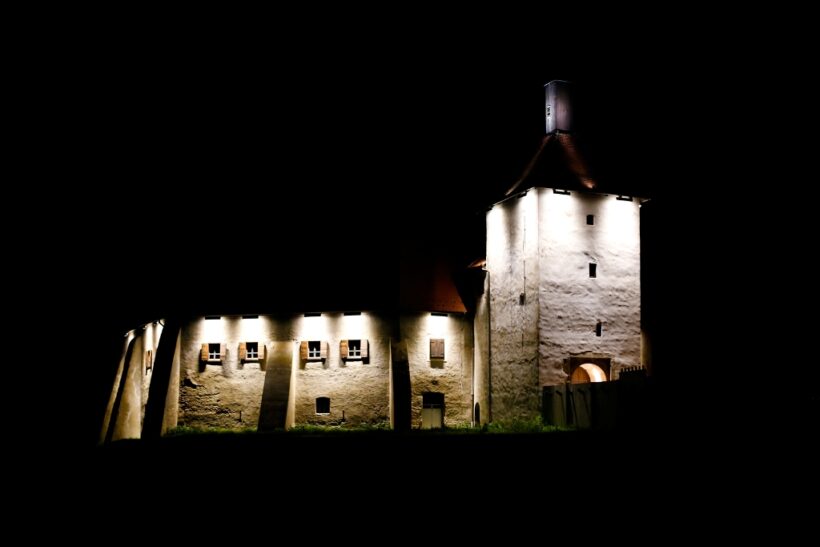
590, 219
593, 269
322, 405
598, 328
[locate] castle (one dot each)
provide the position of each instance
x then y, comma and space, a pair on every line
558, 302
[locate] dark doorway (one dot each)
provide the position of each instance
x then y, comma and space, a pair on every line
477, 416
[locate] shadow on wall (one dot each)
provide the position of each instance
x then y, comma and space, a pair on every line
401, 387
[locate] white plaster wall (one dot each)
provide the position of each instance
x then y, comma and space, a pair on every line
109, 409
358, 390
513, 270
453, 377
128, 423
570, 301
150, 341
481, 375
171, 415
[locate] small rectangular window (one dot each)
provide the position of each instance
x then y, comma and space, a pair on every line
354, 349
598, 329
322, 405
436, 348
213, 352
593, 269
590, 219
252, 350
314, 350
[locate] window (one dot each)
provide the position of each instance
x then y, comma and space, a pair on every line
322, 405
213, 352
149, 360
354, 349
252, 350
313, 350
590, 219
593, 269
598, 328
436, 348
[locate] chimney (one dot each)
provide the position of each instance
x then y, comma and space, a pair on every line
558, 109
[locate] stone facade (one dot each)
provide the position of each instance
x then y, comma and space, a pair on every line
541, 315
544, 306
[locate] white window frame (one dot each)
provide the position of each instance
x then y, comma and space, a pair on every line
251, 353
214, 355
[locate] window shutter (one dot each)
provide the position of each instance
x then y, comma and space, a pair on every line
436, 348
303, 350
365, 349
203, 353
263, 351
221, 351
243, 351
323, 350
343, 349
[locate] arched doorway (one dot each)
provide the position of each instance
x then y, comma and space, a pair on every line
587, 373
477, 415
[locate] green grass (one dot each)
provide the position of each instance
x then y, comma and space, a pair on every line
532, 426
182, 430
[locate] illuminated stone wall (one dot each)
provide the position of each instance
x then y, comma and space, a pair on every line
358, 389
572, 302
543, 304
512, 266
452, 376
214, 395
481, 336
226, 394
131, 387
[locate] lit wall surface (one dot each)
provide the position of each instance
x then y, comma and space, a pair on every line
544, 305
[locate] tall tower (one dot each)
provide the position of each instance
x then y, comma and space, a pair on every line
562, 292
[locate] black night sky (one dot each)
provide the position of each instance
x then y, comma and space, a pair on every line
224, 181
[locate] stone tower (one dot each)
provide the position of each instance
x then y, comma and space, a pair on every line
562, 291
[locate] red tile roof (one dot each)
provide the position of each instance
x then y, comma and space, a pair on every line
558, 163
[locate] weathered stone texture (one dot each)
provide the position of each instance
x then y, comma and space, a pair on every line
358, 389
571, 303
452, 376
512, 265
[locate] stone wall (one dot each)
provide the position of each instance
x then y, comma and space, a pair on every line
228, 393
512, 280
571, 301
358, 389
214, 394
481, 375
125, 410
451, 376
